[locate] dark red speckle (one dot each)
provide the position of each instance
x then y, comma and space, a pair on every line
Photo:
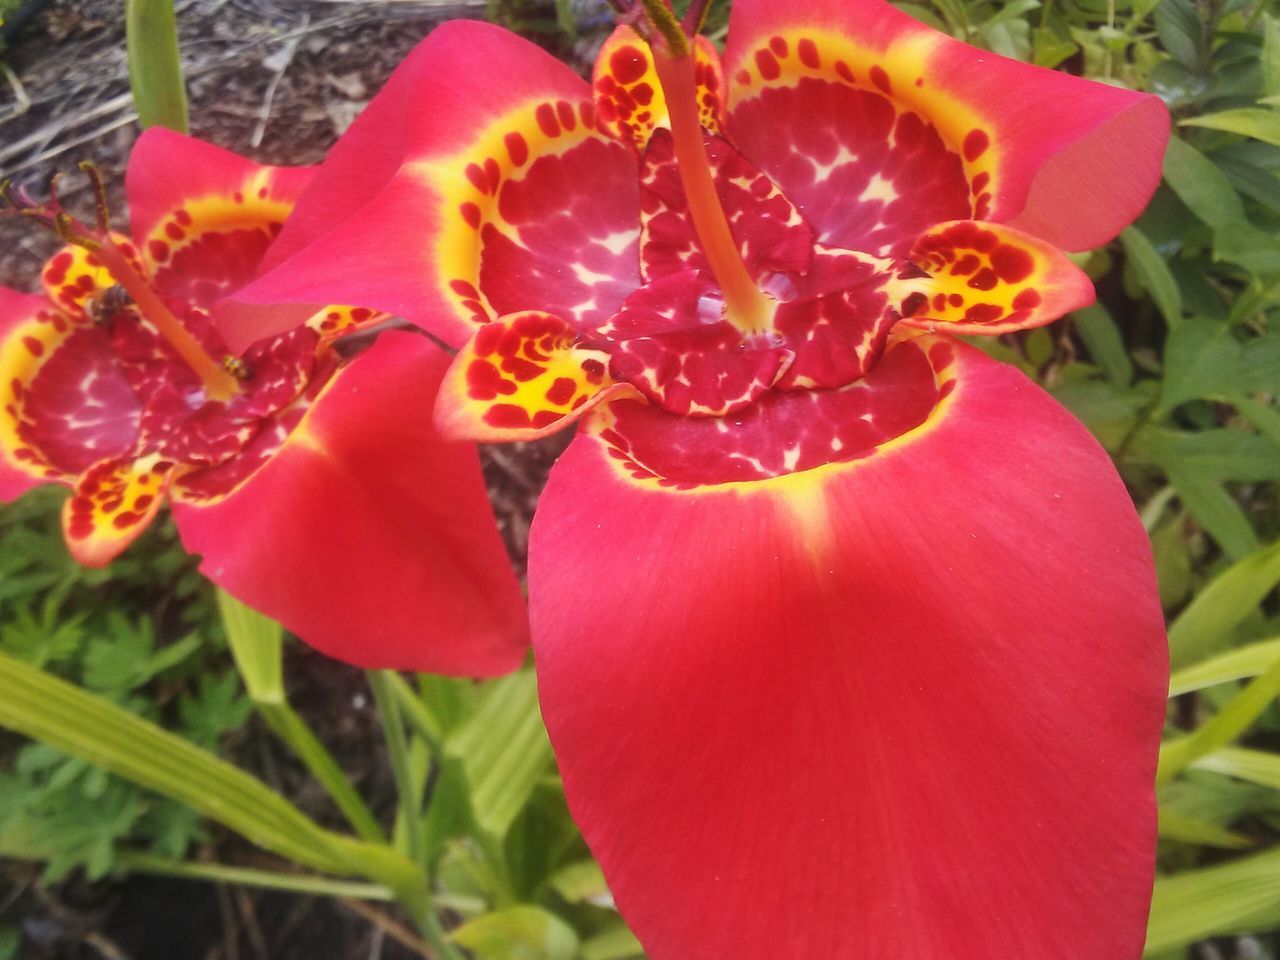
778, 45
562, 391
881, 80
975, 144
1013, 264
807, 50
768, 64
517, 148
547, 122
628, 64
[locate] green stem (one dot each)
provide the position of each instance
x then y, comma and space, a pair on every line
293, 730
398, 752
155, 64
424, 724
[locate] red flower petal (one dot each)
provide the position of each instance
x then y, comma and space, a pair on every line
906, 706
496, 195
367, 507
986, 278
20, 467
521, 377
203, 216
909, 127
112, 503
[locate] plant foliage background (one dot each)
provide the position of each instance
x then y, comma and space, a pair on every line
1176, 371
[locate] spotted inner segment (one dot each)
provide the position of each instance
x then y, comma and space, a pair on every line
783, 433
78, 283
520, 377
988, 278
826, 118
112, 503
628, 97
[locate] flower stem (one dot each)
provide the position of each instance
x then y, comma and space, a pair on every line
746, 306
398, 751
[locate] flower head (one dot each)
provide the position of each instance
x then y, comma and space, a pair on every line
285, 463
828, 607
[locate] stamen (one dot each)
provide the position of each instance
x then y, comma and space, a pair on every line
747, 307
218, 383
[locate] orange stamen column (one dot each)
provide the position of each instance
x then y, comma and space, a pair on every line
747, 307
218, 383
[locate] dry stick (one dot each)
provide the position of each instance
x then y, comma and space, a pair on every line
268, 98
395, 930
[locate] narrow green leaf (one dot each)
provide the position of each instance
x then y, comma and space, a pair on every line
1261, 124
256, 643
1264, 418
155, 64
1201, 185
1102, 339
1235, 717
1219, 454
504, 750
1184, 829
1238, 897
1239, 664
1270, 55
518, 933
1253, 766
1202, 360
1215, 509
1154, 273
1206, 624
53, 711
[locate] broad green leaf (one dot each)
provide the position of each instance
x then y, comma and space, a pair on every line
1264, 418
518, 933
1102, 338
581, 882
1202, 359
1221, 606
155, 65
1181, 31
1216, 510
1217, 454
1239, 664
1154, 274
616, 943
1253, 181
1261, 124
504, 750
256, 643
1270, 55
1232, 721
1237, 897
1201, 185
1256, 250
1184, 829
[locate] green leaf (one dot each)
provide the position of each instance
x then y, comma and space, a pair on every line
256, 643
1184, 829
582, 882
1239, 664
1215, 509
1181, 31
1202, 359
616, 943
1220, 607
1270, 55
62, 716
1261, 124
155, 65
1154, 274
1102, 339
1237, 897
1256, 250
518, 933
1235, 717
504, 750
1253, 766
1215, 454
216, 709
1201, 185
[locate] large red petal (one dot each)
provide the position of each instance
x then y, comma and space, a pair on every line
852, 96
202, 216
902, 707
367, 534
464, 194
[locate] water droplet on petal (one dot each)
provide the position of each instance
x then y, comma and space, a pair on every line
711, 308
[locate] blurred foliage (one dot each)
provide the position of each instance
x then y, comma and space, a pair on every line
1176, 370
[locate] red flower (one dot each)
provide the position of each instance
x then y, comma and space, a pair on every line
292, 471
847, 635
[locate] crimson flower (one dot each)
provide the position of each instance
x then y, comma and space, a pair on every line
290, 468
846, 634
